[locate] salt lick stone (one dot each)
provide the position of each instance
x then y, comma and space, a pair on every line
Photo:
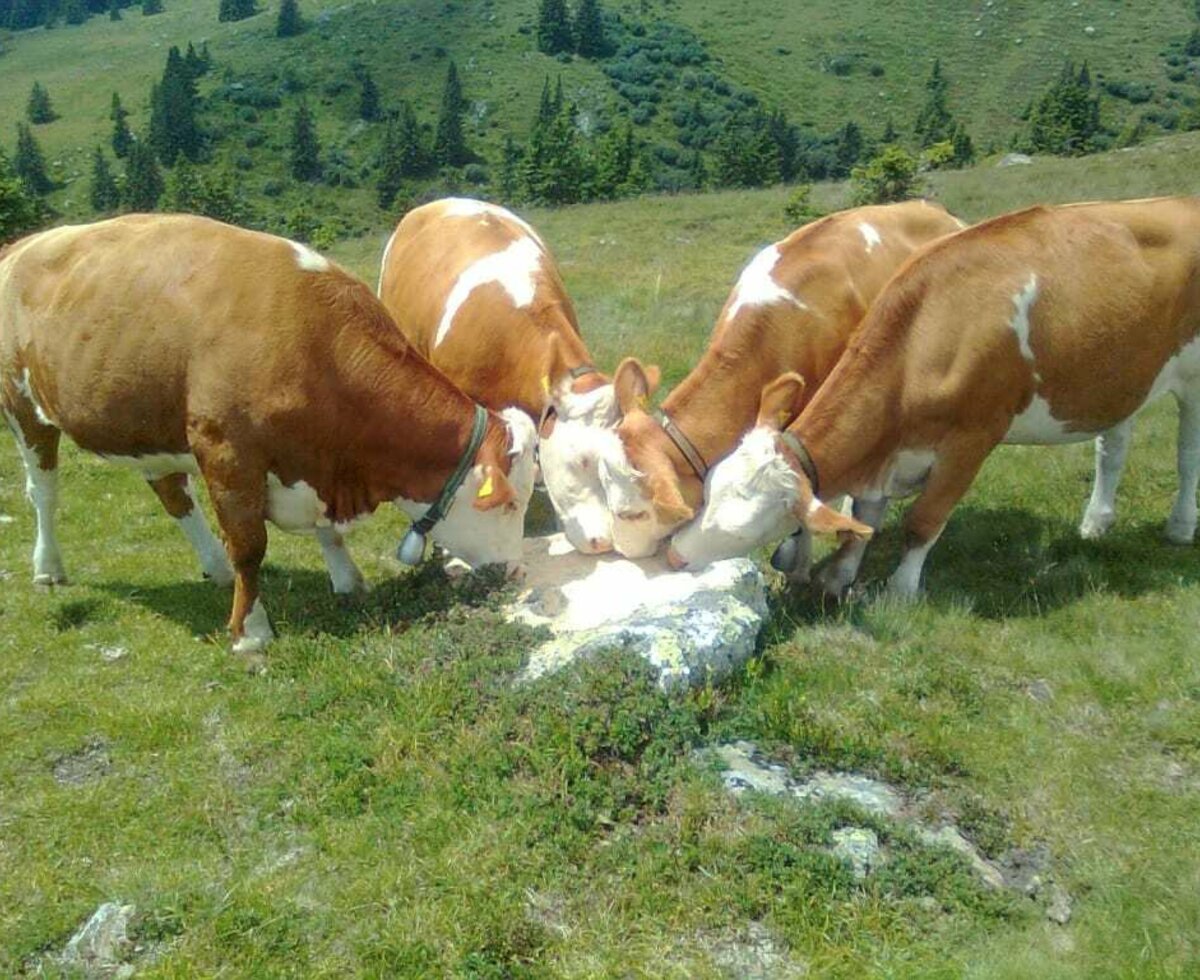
689, 626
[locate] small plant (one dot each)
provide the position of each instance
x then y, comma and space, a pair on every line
799, 209
889, 177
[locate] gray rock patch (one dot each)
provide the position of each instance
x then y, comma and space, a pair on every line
751, 953
102, 946
858, 846
1014, 160
87, 765
690, 626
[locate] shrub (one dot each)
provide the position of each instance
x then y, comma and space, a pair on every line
889, 177
799, 209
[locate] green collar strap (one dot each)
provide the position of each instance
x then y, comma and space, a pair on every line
412, 548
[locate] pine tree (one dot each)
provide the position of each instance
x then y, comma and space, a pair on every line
934, 124
20, 211
415, 156
891, 176
368, 100
143, 181
510, 162
289, 23
1192, 48
236, 9
964, 147
105, 194
75, 12
38, 109
787, 140
746, 156
194, 64
151, 7
30, 164
391, 170
173, 127
449, 144
553, 27
122, 138
1065, 119
305, 153
590, 41
614, 162
697, 172
889, 133
114, 9
849, 148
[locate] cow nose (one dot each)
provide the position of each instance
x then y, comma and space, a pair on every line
675, 560
599, 546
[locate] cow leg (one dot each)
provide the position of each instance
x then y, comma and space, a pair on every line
838, 573
238, 491
1111, 448
175, 492
1181, 525
38, 445
951, 476
343, 573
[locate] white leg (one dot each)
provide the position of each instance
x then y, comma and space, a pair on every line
41, 487
1181, 525
214, 562
257, 632
905, 582
842, 568
1111, 448
343, 573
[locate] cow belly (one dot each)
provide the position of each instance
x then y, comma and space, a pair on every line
1038, 426
154, 466
296, 507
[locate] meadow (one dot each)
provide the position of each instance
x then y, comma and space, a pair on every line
384, 801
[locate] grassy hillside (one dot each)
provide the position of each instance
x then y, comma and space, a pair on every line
823, 64
385, 802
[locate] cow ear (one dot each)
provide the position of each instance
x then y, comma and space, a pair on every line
494, 489
781, 401
669, 505
634, 384
820, 519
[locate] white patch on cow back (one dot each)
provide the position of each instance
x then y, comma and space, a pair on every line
294, 507
870, 235
308, 260
757, 287
515, 269
154, 466
1023, 301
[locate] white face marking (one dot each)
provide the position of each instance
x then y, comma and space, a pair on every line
308, 260
595, 407
257, 632
296, 507
636, 528
570, 458
870, 235
749, 499
515, 269
383, 262
154, 466
1023, 301
757, 287
490, 536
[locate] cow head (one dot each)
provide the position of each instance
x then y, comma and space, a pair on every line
646, 476
486, 521
571, 438
758, 494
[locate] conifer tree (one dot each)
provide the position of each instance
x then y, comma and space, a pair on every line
194, 63
964, 147
391, 172
554, 170
289, 23
30, 164
510, 162
75, 11
889, 133
849, 148
697, 172
1192, 47
787, 140
20, 211
614, 162
304, 158
368, 100
934, 124
553, 27
746, 155
105, 194
122, 138
151, 7
38, 109
413, 145
449, 144
590, 41
1065, 119
114, 9
143, 181
236, 9
173, 127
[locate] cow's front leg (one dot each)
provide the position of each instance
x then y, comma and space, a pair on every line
1181, 525
175, 492
1111, 448
343, 573
838, 572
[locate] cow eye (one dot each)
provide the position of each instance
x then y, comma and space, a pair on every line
634, 515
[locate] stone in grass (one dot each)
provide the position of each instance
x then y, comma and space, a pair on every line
689, 626
859, 846
101, 947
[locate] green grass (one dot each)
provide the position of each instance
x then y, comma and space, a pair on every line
407, 45
384, 802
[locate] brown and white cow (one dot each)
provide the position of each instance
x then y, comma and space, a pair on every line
475, 290
792, 309
1049, 325
177, 345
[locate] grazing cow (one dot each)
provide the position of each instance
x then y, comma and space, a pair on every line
176, 345
477, 292
1049, 325
793, 309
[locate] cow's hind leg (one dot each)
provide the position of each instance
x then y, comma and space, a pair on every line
1111, 449
175, 492
38, 445
1181, 525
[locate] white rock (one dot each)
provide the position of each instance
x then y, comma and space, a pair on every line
742, 772
870, 794
102, 945
690, 626
859, 846
951, 838
1014, 159
1059, 909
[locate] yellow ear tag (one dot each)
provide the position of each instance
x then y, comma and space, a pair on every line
486, 489
546, 384
640, 401
783, 417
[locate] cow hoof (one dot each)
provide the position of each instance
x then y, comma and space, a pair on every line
47, 580
1094, 526
222, 579
1178, 534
